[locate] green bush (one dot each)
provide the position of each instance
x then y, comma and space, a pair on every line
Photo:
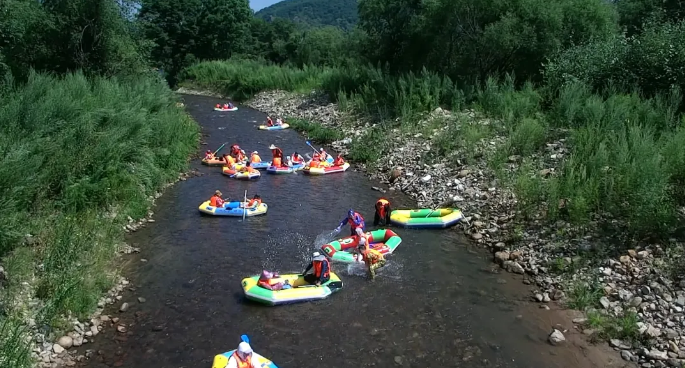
314, 131
79, 157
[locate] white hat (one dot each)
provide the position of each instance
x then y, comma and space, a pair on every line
244, 348
272, 147
321, 149
255, 152
317, 256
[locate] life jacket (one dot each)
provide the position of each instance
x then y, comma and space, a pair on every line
372, 256
295, 159
255, 158
230, 161
381, 206
338, 161
269, 122
225, 106
277, 152
276, 162
352, 222
242, 363
253, 201
239, 156
314, 163
215, 201
318, 266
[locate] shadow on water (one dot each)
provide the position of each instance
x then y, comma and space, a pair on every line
431, 306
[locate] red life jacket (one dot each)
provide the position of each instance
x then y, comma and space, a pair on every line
318, 266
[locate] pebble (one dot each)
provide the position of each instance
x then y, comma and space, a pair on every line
556, 337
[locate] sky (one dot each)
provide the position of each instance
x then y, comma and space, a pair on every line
256, 5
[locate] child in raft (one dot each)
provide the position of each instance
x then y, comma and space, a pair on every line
269, 280
209, 155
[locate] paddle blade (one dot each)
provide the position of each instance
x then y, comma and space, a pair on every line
245, 338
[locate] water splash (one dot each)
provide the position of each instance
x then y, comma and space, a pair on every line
325, 237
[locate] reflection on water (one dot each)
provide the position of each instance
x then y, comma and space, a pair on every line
430, 306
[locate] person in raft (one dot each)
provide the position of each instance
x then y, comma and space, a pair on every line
277, 154
216, 200
254, 157
243, 357
269, 280
255, 202
235, 150
229, 160
241, 157
382, 215
322, 270
248, 168
209, 155
296, 158
279, 121
269, 122
339, 161
355, 220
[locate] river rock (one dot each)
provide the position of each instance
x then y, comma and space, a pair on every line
57, 349
65, 342
124, 307
556, 337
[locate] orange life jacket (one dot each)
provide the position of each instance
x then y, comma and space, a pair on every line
381, 205
318, 266
276, 162
230, 161
242, 363
338, 161
295, 159
255, 158
253, 201
216, 201
372, 256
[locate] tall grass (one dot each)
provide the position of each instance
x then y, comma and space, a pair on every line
626, 160
79, 157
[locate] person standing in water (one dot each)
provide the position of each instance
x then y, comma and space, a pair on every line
354, 219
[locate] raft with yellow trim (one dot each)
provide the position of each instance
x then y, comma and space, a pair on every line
301, 291
241, 175
234, 209
326, 170
382, 240
274, 127
213, 162
221, 360
426, 218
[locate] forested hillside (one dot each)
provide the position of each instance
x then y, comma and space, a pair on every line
338, 13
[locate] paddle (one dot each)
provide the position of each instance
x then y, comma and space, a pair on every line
217, 151
245, 206
312, 147
244, 338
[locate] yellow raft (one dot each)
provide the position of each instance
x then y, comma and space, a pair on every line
426, 218
301, 291
234, 209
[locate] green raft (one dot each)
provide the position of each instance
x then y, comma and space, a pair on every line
426, 218
382, 240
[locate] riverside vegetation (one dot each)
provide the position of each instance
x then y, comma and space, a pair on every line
571, 173
88, 138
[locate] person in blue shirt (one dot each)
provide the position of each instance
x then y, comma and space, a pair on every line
355, 220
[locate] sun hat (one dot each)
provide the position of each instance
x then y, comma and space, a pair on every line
317, 256
218, 192
244, 348
272, 147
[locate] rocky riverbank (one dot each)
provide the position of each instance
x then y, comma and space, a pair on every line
52, 351
631, 301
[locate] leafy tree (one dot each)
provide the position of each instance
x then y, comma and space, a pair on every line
634, 13
184, 31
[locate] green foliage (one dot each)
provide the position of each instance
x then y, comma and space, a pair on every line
189, 30
337, 13
315, 131
473, 40
87, 154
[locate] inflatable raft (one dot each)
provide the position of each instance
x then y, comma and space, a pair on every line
301, 291
221, 360
235, 108
233, 209
247, 175
326, 170
260, 165
275, 127
280, 170
426, 218
382, 240
213, 162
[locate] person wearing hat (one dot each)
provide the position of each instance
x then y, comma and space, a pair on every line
242, 357
209, 155
216, 200
254, 157
354, 219
272, 281
322, 270
277, 154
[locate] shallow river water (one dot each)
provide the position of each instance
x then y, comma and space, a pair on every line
434, 304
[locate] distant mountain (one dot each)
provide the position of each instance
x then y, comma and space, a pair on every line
339, 13
258, 5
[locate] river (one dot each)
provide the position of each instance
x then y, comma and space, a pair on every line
435, 304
